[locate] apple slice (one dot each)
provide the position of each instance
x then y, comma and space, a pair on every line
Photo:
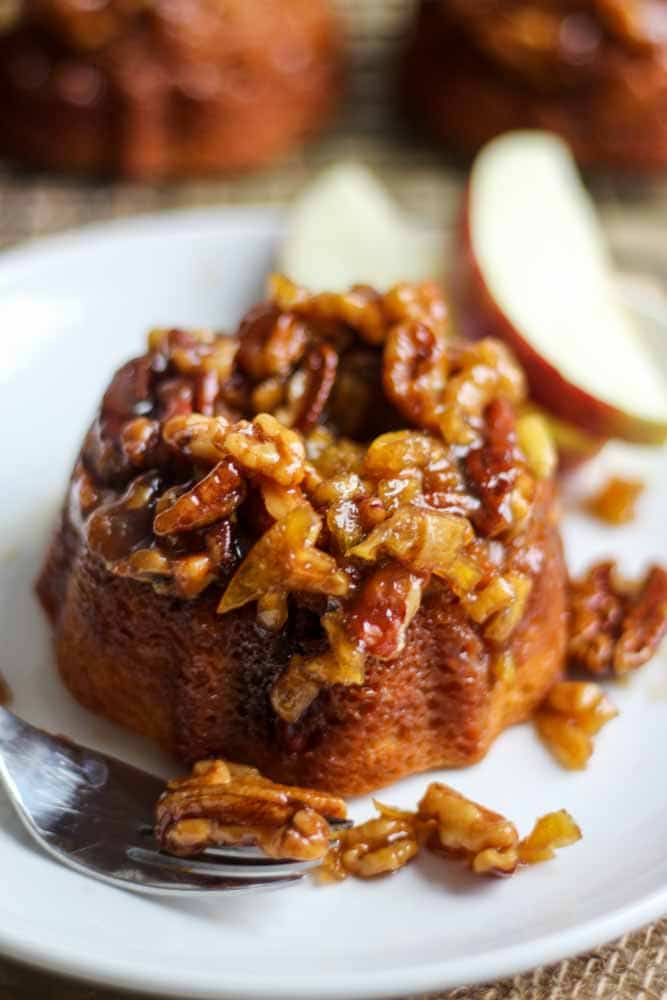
536, 272
345, 229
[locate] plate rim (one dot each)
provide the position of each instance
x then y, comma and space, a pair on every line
499, 963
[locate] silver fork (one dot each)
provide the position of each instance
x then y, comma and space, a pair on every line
95, 814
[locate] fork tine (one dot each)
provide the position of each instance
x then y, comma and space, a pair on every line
272, 872
247, 852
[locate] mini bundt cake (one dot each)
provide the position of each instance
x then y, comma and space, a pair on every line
163, 88
327, 547
594, 71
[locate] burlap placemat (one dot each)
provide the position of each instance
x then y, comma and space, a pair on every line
370, 129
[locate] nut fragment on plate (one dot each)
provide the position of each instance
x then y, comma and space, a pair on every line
224, 803
569, 718
449, 824
616, 626
616, 501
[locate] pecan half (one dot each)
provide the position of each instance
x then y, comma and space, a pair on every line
223, 803
616, 627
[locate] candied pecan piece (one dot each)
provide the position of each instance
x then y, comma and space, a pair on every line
596, 615
616, 501
267, 447
361, 308
285, 558
380, 613
196, 436
487, 840
213, 498
418, 303
415, 371
223, 803
396, 452
551, 832
271, 342
487, 372
139, 440
644, 624
376, 847
493, 470
571, 715
319, 375
614, 626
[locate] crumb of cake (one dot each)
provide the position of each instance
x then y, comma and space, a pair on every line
225, 803
571, 715
616, 501
616, 626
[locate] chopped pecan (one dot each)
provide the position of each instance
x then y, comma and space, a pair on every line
615, 626
319, 376
415, 371
571, 715
222, 803
447, 823
197, 437
380, 614
212, 499
486, 372
493, 469
376, 847
488, 841
270, 342
268, 448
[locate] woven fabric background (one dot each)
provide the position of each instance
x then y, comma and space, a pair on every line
428, 184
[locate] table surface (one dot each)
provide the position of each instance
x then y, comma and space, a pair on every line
429, 185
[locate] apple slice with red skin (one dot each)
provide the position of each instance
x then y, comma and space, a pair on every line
533, 270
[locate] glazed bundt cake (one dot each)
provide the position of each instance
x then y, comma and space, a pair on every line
327, 546
158, 88
594, 71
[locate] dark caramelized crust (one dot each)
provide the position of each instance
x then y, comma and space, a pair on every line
148, 88
338, 613
591, 70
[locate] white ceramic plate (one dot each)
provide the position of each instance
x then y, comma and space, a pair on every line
71, 309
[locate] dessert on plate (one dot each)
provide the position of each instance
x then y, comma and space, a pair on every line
157, 88
593, 71
326, 547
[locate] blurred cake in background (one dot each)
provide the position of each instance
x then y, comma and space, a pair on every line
595, 71
160, 88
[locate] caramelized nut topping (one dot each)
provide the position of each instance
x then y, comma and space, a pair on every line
276, 473
449, 824
224, 803
616, 627
571, 715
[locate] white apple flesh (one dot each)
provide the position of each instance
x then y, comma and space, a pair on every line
536, 272
345, 229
